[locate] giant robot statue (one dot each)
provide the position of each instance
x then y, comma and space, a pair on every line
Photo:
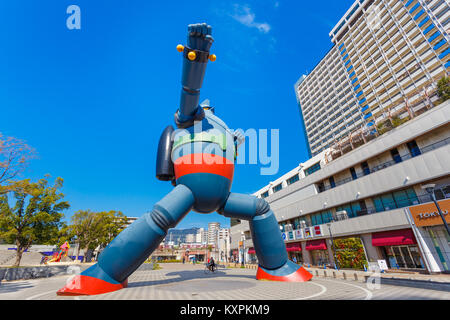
198, 159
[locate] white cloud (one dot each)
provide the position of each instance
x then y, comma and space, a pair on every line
245, 16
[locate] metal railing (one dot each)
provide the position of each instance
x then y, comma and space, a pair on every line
417, 152
441, 194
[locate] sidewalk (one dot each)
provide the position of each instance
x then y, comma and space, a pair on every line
402, 278
362, 275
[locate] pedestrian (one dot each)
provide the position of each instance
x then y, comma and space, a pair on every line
294, 259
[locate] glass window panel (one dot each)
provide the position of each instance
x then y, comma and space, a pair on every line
378, 204
401, 199
319, 219
388, 202
356, 208
412, 196
327, 216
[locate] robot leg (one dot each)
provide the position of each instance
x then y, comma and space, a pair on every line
132, 246
269, 246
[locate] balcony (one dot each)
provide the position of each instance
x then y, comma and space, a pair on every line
388, 164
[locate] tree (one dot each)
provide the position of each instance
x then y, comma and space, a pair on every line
444, 89
36, 215
92, 229
14, 156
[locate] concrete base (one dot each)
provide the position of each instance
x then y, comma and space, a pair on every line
26, 273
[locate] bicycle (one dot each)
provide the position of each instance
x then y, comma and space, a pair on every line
209, 268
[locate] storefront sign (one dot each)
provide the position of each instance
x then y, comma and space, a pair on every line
427, 214
283, 235
308, 233
298, 234
317, 231
383, 265
291, 235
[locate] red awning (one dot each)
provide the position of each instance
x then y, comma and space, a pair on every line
316, 245
393, 238
251, 251
296, 246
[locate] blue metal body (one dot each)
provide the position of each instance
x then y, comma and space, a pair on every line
203, 192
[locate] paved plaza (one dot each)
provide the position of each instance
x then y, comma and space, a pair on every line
189, 282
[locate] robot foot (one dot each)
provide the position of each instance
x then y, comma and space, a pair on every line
89, 284
290, 272
81, 285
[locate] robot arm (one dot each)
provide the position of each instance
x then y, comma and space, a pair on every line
195, 60
164, 164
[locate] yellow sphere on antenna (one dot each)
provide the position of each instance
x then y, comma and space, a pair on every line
192, 55
212, 57
180, 48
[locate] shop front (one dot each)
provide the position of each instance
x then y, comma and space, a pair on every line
318, 251
251, 256
436, 240
399, 248
294, 251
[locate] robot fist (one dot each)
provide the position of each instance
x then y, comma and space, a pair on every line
199, 37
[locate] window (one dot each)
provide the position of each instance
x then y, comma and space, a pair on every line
396, 156
265, 195
353, 173
398, 199
312, 169
413, 148
321, 187
365, 168
332, 182
277, 187
293, 179
321, 218
297, 224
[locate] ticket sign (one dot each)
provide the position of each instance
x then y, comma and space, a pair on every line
425, 215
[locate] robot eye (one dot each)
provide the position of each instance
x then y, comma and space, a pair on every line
210, 109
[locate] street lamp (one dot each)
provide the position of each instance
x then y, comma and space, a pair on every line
332, 244
243, 248
430, 189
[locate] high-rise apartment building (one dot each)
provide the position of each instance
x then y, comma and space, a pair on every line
380, 140
386, 60
213, 232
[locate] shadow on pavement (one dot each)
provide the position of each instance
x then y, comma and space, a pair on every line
189, 275
14, 287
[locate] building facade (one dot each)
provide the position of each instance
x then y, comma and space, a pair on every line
386, 60
213, 232
357, 209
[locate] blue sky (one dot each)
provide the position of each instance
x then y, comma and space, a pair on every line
93, 102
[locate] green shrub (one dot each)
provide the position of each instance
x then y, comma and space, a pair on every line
170, 261
156, 266
444, 89
396, 121
350, 253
